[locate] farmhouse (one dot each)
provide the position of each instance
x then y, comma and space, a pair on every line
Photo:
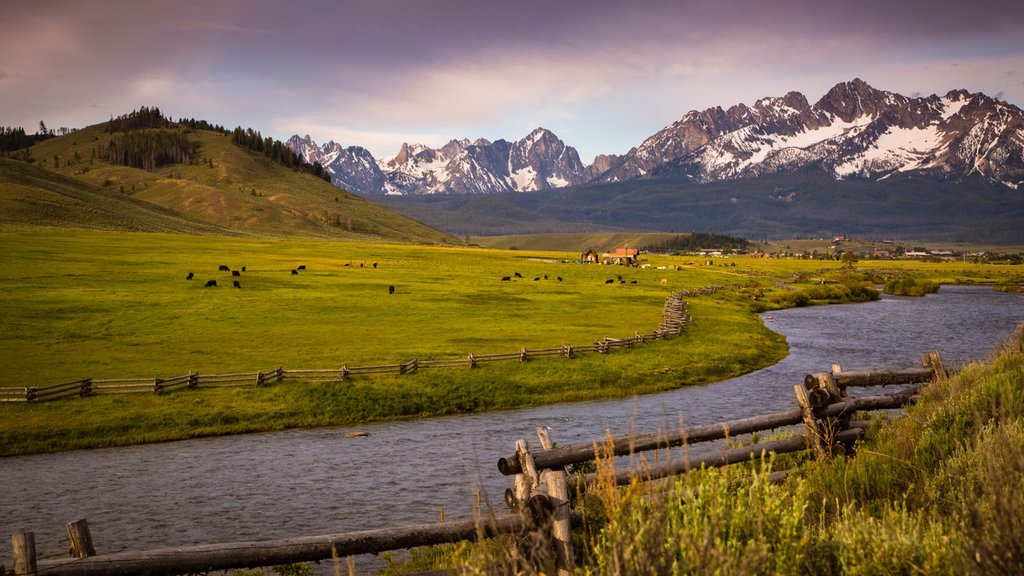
589, 257
622, 257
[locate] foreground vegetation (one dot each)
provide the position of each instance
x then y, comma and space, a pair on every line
940, 491
114, 305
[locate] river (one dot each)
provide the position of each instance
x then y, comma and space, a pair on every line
307, 482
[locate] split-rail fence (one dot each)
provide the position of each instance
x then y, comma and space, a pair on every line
542, 494
675, 320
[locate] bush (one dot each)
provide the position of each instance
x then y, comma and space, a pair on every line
910, 287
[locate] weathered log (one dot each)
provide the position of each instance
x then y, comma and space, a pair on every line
558, 492
23, 546
80, 539
574, 454
723, 458
815, 437
883, 377
208, 557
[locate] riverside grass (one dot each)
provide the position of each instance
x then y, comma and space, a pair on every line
109, 305
938, 492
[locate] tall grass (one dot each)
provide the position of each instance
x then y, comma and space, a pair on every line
940, 491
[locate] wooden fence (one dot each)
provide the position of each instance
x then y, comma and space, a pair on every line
675, 319
540, 498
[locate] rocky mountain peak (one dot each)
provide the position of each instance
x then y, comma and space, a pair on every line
854, 130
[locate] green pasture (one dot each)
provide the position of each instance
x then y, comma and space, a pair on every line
114, 305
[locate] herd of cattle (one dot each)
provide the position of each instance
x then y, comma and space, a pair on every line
559, 278
238, 274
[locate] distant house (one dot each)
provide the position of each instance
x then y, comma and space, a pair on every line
622, 257
589, 256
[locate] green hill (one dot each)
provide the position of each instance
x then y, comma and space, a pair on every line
219, 188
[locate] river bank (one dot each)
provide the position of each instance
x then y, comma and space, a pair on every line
318, 481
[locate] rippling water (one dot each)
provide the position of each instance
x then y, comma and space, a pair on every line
306, 482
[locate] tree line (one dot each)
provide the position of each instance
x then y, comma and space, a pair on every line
699, 241
15, 138
276, 151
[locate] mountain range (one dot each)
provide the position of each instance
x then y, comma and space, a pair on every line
853, 132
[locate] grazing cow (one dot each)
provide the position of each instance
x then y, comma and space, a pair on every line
210, 283
506, 278
537, 279
610, 281
559, 278
243, 268
236, 273
632, 281
374, 264
190, 276
295, 272
303, 267
391, 289
545, 276
223, 268
360, 264
517, 274
237, 285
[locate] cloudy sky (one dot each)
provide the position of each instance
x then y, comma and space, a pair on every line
601, 74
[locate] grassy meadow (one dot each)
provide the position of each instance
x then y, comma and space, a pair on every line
113, 305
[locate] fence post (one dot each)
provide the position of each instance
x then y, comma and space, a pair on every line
522, 354
814, 436
561, 528
472, 360
259, 378
80, 539
86, 387
934, 361
193, 380
344, 371
24, 548
280, 373
158, 384
30, 393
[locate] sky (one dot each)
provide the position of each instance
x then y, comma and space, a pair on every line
602, 75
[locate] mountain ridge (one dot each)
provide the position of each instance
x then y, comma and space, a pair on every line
853, 130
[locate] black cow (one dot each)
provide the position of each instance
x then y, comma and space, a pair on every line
517, 275
559, 278
295, 272
237, 285
374, 264
391, 289
610, 281
632, 281
210, 283
223, 268
236, 273
243, 268
537, 279
190, 276
303, 267
506, 278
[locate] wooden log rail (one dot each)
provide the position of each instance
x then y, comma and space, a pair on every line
203, 558
675, 319
575, 454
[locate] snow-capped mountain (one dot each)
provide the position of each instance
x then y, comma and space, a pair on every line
540, 161
853, 131
352, 168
